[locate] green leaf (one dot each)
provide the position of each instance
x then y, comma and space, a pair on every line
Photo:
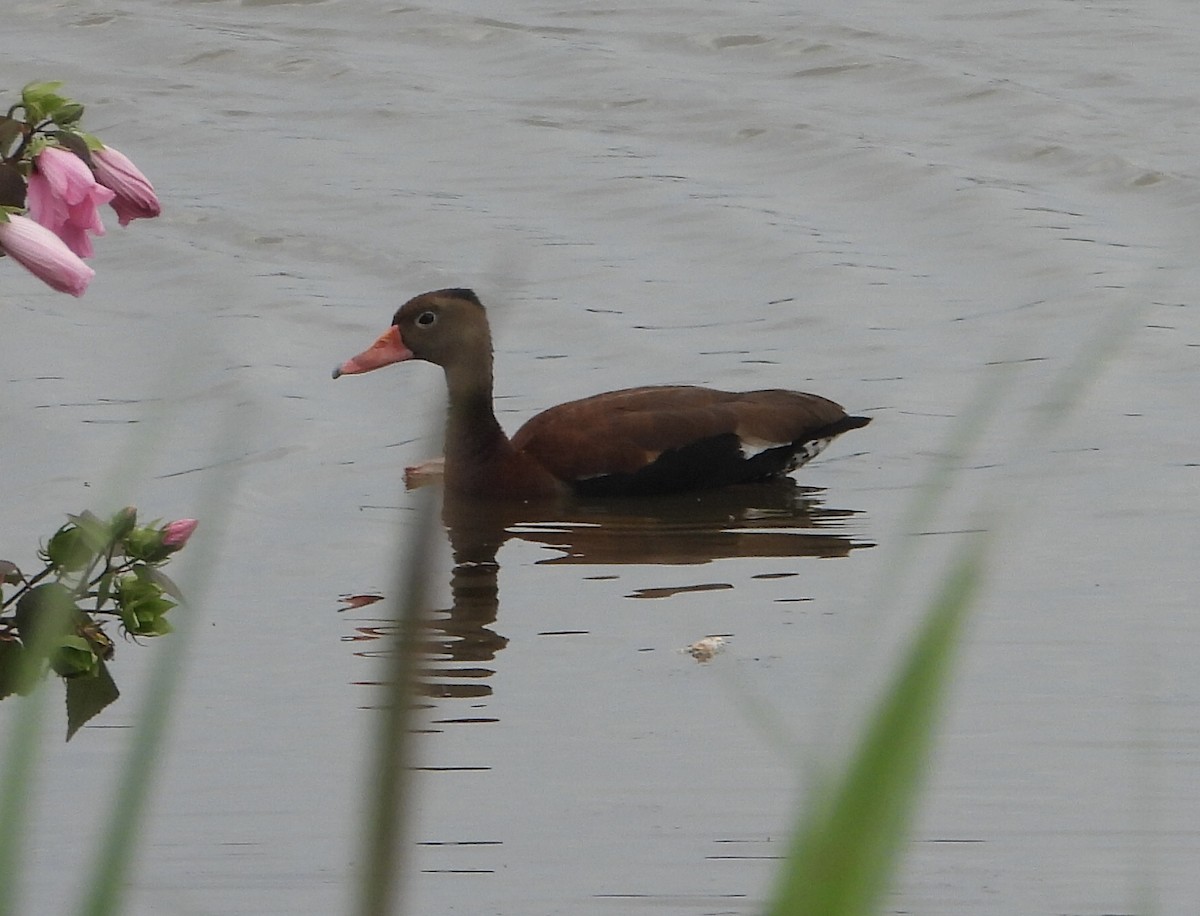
104, 590
165, 582
150, 611
45, 614
40, 89
12, 658
43, 617
93, 142
87, 697
40, 99
69, 140
68, 114
97, 534
150, 608
160, 626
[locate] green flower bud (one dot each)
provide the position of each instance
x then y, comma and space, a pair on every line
144, 544
68, 549
74, 657
122, 523
142, 605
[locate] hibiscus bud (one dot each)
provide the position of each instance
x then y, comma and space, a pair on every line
123, 523
135, 197
176, 534
63, 196
44, 254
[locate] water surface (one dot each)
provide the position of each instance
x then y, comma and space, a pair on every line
889, 205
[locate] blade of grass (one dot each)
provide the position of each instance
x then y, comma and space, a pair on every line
20, 761
19, 770
380, 884
847, 843
18, 777
16, 790
103, 893
846, 847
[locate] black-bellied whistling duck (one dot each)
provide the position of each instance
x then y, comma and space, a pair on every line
631, 442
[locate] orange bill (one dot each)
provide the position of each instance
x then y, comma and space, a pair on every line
388, 349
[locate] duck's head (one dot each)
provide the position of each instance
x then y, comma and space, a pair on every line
447, 327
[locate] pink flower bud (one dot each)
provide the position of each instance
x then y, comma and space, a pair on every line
63, 196
44, 254
135, 197
176, 534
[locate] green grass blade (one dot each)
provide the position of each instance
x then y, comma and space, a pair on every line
380, 887
19, 773
18, 769
848, 842
103, 894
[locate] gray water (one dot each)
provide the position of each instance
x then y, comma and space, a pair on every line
890, 204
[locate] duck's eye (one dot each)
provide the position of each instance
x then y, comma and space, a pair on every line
427, 319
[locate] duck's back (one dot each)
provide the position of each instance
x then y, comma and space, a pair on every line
672, 438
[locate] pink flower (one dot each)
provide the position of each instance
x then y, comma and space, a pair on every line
176, 534
63, 196
44, 254
135, 198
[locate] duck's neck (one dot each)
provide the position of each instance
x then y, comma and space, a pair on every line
480, 459
474, 437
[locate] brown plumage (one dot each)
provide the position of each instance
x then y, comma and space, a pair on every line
635, 441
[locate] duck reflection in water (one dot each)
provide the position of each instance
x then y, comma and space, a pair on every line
771, 519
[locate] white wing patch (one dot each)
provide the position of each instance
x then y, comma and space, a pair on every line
806, 452
751, 447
